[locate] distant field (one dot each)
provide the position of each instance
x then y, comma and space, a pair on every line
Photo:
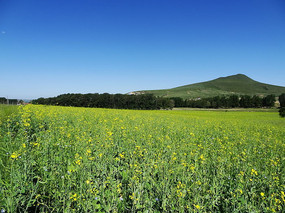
67, 159
232, 109
6, 110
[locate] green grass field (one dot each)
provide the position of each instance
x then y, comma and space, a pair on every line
6, 111
230, 109
67, 159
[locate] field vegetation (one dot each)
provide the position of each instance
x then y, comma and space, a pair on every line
72, 159
6, 111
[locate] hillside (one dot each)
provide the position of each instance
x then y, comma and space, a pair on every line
235, 84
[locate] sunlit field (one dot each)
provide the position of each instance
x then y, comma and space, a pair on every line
6, 111
64, 159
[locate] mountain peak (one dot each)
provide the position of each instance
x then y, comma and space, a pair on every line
236, 77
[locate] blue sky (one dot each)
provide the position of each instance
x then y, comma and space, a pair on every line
51, 47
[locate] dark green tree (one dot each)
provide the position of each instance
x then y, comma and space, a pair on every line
216, 102
282, 105
178, 102
256, 101
233, 101
3, 100
223, 102
268, 101
245, 101
282, 112
282, 100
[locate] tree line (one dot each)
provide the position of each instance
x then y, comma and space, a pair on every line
10, 101
151, 102
233, 101
106, 100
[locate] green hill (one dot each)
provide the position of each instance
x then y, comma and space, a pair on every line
235, 84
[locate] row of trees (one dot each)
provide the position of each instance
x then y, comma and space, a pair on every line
105, 100
10, 101
149, 101
232, 101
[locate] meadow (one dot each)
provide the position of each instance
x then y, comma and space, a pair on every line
6, 111
68, 159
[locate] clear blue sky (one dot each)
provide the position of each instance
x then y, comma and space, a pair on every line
51, 47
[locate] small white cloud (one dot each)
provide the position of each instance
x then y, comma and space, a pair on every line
3, 32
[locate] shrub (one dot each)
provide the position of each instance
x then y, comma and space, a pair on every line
282, 100
282, 112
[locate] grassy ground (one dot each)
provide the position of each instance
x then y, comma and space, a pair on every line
6, 111
67, 159
231, 110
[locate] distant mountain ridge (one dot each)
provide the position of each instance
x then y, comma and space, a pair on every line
239, 84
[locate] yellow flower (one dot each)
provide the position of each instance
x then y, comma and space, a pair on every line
196, 206
254, 172
73, 197
14, 155
192, 167
26, 124
199, 182
78, 162
283, 196
132, 196
262, 194
35, 144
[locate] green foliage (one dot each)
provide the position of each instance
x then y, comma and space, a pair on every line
235, 84
105, 100
282, 100
67, 159
6, 111
246, 101
257, 101
233, 101
3, 100
10, 101
269, 100
282, 112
